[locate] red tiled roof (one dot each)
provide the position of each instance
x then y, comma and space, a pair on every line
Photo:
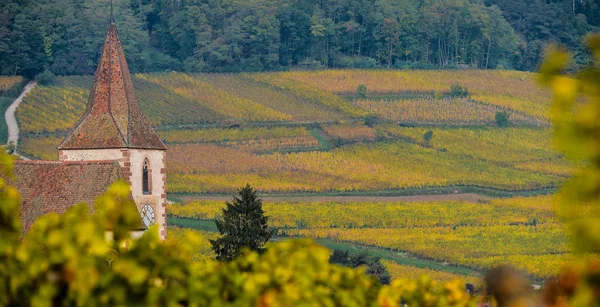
113, 118
47, 186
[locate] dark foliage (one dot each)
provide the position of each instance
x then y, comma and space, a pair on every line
503, 119
457, 90
65, 36
370, 121
45, 78
428, 136
373, 264
362, 91
243, 225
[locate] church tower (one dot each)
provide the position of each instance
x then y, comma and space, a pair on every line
114, 128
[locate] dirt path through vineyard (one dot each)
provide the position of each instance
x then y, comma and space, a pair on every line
470, 197
11, 120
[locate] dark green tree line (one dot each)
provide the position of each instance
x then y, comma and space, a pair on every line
65, 36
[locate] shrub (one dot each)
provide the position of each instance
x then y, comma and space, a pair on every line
502, 119
45, 78
457, 90
370, 121
374, 266
428, 136
336, 142
366, 62
362, 91
343, 62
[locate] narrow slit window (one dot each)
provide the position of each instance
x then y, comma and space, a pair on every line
145, 178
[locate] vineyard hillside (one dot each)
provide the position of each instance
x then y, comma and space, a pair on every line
348, 133
314, 132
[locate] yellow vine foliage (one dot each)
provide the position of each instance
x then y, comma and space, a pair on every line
414, 273
270, 145
8, 82
43, 148
452, 111
258, 139
475, 246
518, 104
521, 231
228, 158
51, 109
217, 100
557, 167
514, 90
351, 132
67, 260
66, 101
311, 93
302, 109
496, 82
381, 166
220, 134
174, 99
497, 145
326, 214
520, 148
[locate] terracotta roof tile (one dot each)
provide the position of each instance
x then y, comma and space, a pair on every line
113, 118
50, 186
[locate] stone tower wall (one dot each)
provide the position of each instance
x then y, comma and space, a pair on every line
132, 162
157, 182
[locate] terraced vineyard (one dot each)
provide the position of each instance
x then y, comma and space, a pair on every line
514, 90
200, 168
449, 111
413, 273
521, 231
352, 215
311, 133
305, 132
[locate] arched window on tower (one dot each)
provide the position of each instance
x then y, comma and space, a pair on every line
146, 177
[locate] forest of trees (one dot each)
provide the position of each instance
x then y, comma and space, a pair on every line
64, 36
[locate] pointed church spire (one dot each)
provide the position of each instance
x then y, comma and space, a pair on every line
113, 118
112, 16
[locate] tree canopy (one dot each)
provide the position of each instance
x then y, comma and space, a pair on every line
243, 224
65, 36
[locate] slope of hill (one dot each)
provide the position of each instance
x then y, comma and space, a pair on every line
310, 131
312, 134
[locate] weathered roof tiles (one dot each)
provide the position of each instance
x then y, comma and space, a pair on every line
50, 186
113, 118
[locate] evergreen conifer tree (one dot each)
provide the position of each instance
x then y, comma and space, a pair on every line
243, 224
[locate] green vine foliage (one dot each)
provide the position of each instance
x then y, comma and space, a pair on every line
83, 259
576, 114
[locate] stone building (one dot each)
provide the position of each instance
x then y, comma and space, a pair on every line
112, 141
